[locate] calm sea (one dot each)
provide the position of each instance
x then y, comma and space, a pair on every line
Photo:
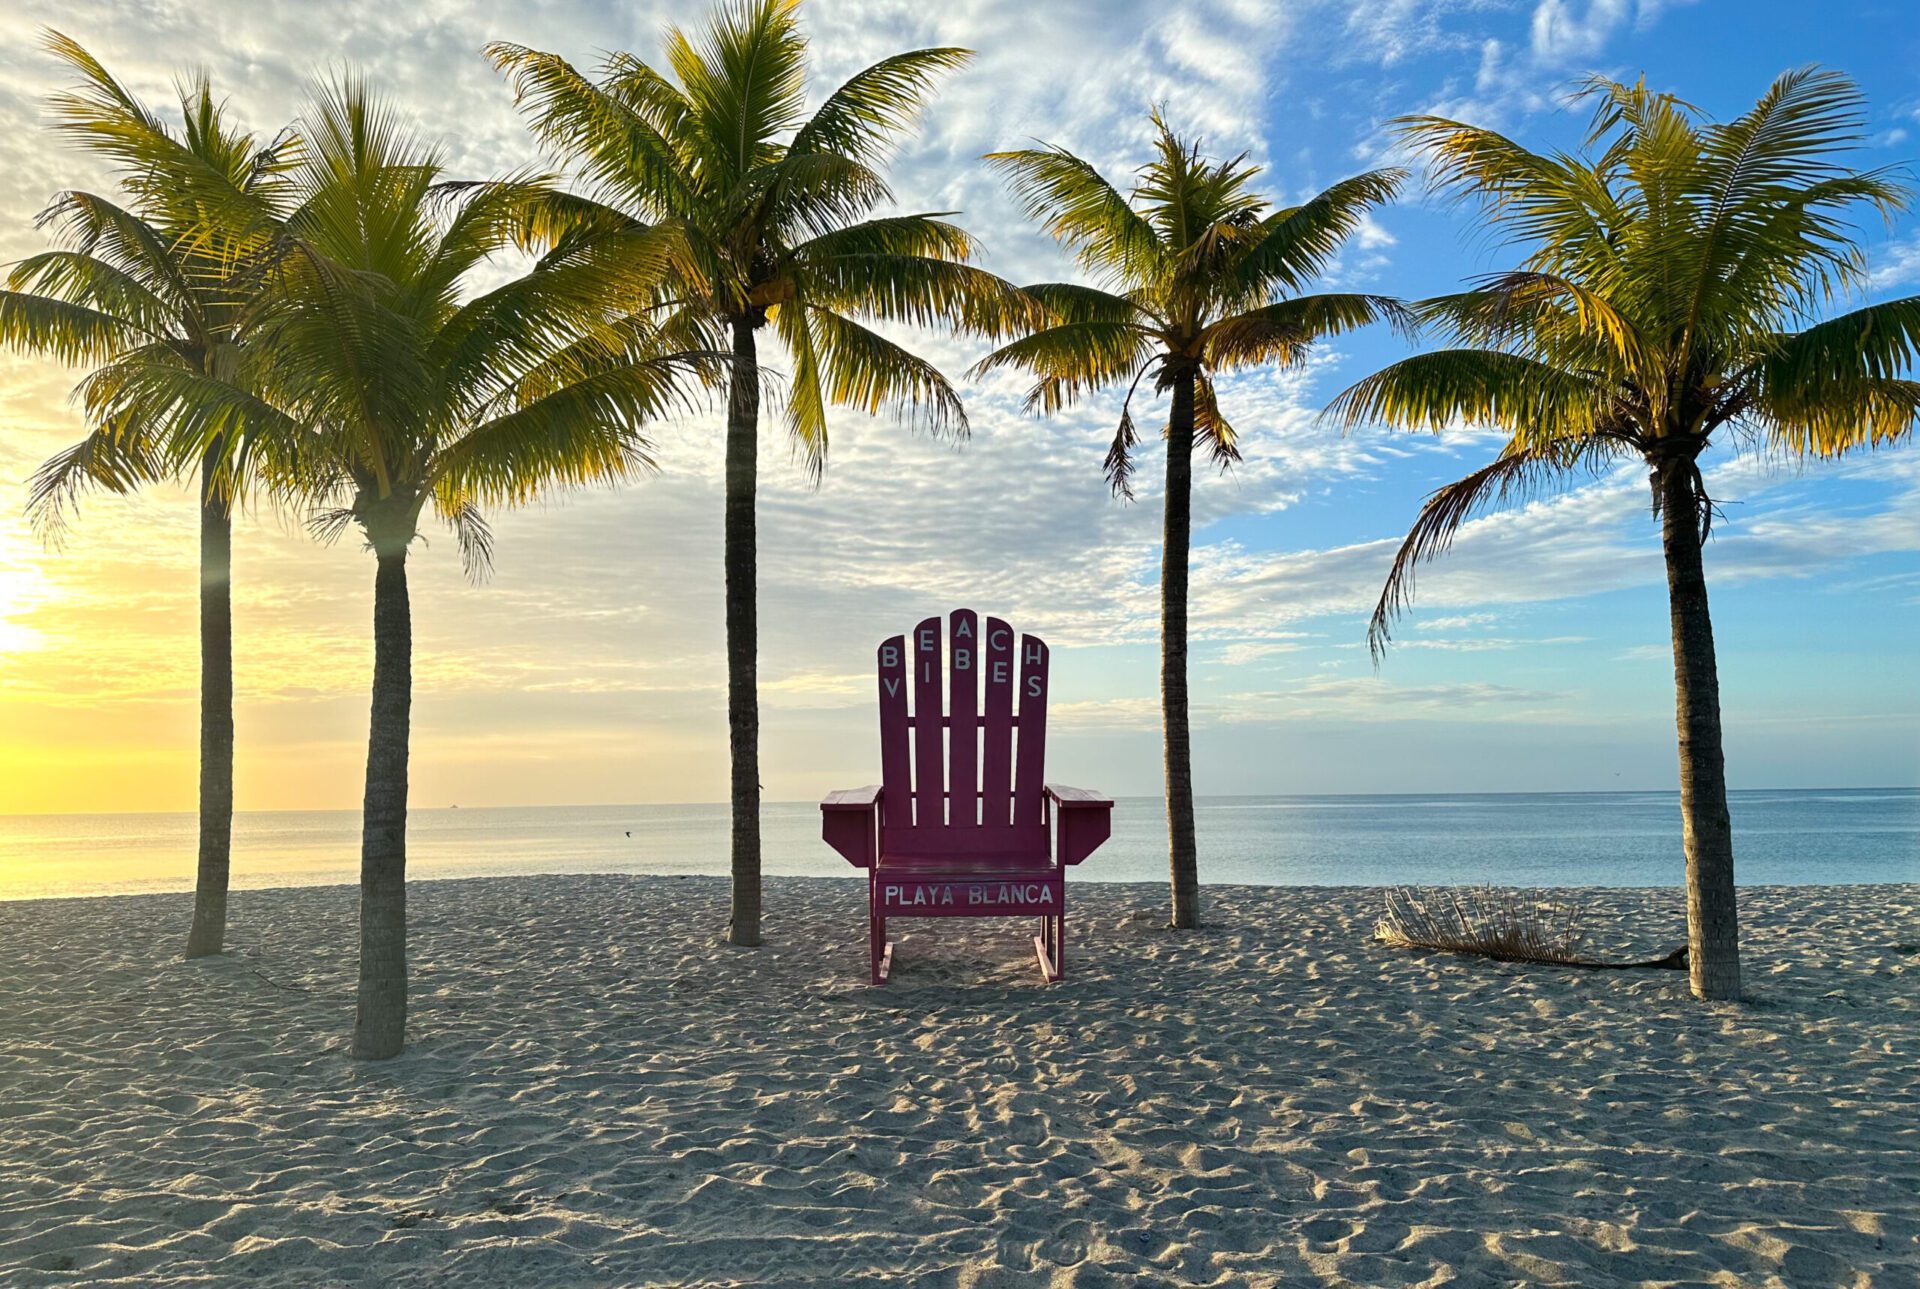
1544, 839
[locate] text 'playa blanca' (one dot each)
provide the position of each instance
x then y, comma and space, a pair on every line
984, 895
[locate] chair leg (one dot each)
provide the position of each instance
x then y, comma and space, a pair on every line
1046, 947
879, 950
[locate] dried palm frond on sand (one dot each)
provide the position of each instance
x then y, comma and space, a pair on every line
1491, 922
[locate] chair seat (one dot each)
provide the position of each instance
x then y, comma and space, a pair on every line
951, 866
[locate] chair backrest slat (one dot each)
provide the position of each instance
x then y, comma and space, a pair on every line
996, 753
929, 772
1030, 772
895, 799
963, 730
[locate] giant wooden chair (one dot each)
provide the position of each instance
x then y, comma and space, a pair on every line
963, 822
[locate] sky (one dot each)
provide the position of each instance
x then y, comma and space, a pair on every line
590, 667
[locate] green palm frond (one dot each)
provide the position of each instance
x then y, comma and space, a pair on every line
155, 288
108, 459
1071, 359
800, 195
586, 432
71, 333
744, 77
622, 152
1518, 474
97, 228
1079, 208
873, 108
72, 277
922, 291
1873, 411
1281, 333
806, 393
1540, 312
1446, 388
1565, 209
1211, 427
211, 185
178, 414
1291, 247
928, 235
1878, 341
869, 372
1073, 302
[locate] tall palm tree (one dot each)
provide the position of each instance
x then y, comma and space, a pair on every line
1668, 295
1198, 276
168, 277
776, 209
405, 394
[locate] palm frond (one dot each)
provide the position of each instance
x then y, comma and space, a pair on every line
1080, 208
619, 147
865, 370
1291, 247
806, 397
874, 107
1118, 466
1490, 387
1071, 359
71, 333
108, 458
1517, 474
1211, 427
1074, 302
920, 290
471, 531
744, 77
1281, 333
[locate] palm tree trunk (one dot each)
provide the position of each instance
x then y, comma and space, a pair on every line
380, 1026
743, 633
1182, 853
209, 933
1713, 939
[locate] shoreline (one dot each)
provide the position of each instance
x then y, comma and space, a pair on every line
1077, 880
599, 1091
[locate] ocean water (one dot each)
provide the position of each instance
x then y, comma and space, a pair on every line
1532, 839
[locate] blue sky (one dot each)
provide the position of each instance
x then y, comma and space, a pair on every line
589, 668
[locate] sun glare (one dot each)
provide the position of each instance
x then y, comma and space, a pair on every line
23, 588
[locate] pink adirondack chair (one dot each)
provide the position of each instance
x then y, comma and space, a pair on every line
961, 823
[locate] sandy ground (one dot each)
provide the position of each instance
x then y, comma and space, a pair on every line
600, 1093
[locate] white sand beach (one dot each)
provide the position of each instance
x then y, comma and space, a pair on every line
599, 1092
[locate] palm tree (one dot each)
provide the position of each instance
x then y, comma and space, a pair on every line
1668, 294
167, 278
1199, 276
775, 206
403, 395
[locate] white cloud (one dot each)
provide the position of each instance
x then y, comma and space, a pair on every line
1460, 622
1565, 31
1375, 699
1896, 264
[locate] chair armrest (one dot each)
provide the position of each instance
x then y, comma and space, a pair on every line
1085, 821
849, 822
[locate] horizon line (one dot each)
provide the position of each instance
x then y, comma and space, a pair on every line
1226, 796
